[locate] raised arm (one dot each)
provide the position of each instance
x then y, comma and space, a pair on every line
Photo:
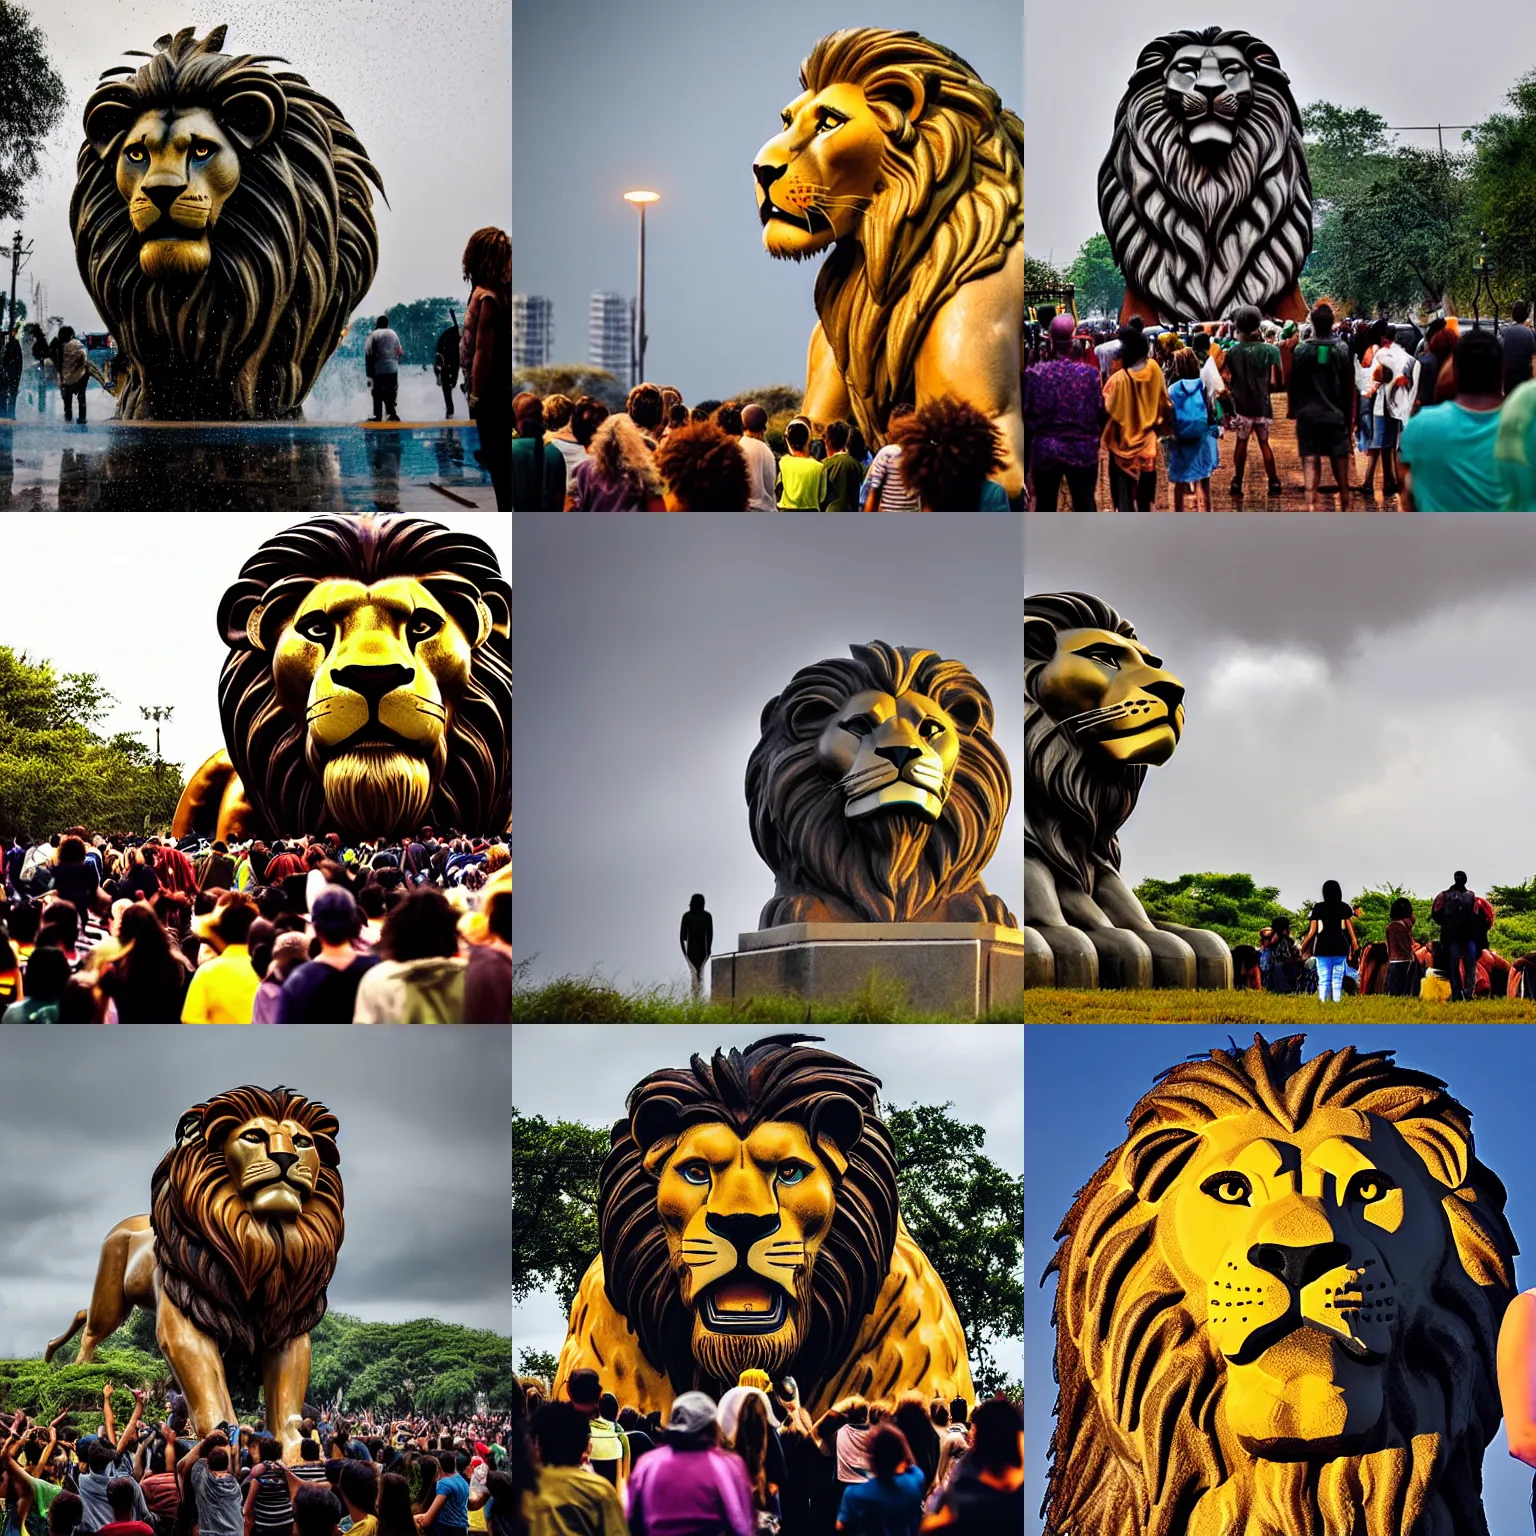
132, 1427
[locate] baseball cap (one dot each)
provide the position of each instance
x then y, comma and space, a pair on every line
691, 1412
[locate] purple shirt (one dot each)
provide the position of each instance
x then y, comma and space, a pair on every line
1064, 408
592, 493
690, 1493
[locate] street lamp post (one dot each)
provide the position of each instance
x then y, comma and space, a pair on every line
637, 349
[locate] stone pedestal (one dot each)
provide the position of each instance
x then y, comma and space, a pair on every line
957, 968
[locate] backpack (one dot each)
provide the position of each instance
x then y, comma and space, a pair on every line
1191, 415
36, 877
1284, 965
1457, 910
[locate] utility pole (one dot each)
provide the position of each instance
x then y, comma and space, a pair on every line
157, 713
19, 255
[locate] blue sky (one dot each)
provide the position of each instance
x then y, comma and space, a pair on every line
1082, 1081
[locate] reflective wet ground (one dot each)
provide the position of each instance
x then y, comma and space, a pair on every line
47, 465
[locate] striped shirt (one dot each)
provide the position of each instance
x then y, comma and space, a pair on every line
892, 493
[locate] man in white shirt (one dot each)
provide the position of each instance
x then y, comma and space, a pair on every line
1397, 377
762, 467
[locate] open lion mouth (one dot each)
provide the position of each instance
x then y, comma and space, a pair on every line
744, 1305
810, 221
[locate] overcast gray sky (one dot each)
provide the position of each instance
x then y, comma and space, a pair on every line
146, 626
425, 1152
1349, 713
1410, 63
679, 99
426, 84
977, 1067
646, 648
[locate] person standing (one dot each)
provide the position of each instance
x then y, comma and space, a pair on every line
382, 356
697, 937
1396, 376
570, 1500
689, 1486
762, 467
1138, 410
1518, 345
74, 371
1447, 449
1464, 919
609, 1446
1193, 453
538, 468
1322, 404
840, 472
1063, 420
10, 374
1247, 369
445, 363
324, 990
486, 353
558, 413
1332, 936
885, 487
799, 473
1401, 962
889, 1502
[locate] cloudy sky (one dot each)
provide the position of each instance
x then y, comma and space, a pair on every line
145, 624
679, 100
1080, 56
1486, 1067
646, 648
1349, 705
426, 86
425, 1151
979, 1068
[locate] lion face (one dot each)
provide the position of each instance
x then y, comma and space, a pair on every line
1310, 1248
1113, 695
744, 1218
176, 170
1209, 87
274, 1164
891, 751
815, 179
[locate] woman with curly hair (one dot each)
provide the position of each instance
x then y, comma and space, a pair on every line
486, 353
618, 474
949, 451
704, 470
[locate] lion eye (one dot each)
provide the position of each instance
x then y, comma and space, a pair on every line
792, 1173
930, 728
1368, 1188
135, 154
858, 726
253, 1136
302, 1142
1103, 656
202, 151
315, 627
424, 624
1229, 1188
694, 1173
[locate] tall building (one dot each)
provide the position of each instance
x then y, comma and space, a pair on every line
533, 330
610, 334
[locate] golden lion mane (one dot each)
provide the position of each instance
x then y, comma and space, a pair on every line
1141, 1436
773, 1079
1073, 808
471, 776
293, 251
249, 1284
1197, 241
890, 868
951, 208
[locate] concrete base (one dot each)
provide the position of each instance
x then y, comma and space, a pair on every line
958, 968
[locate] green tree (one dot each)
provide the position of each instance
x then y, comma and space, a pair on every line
1345, 145
538, 1362
967, 1215
1504, 189
1039, 273
1099, 282
1235, 906
425, 1365
777, 399
555, 1167
31, 102
572, 379
45, 1390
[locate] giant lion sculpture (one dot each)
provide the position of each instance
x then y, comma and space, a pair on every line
748, 1219
877, 792
368, 686
1277, 1307
223, 227
234, 1258
898, 156
1204, 193
1099, 709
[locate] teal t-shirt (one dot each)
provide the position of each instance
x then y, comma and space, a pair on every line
1450, 451
1514, 452
802, 484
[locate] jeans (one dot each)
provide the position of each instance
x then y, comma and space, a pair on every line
1461, 962
72, 392
1082, 485
1330, 978
1399, 978
1131, 493
386, 386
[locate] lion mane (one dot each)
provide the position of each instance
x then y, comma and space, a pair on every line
269, 748
899, 867
250, 1285
1072, 813
1141, 1445
951, 207
773, 1079
293, 252
1195, 241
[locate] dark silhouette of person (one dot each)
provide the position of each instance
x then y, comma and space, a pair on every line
697, 937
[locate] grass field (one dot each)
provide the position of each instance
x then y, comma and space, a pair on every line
1042, 1006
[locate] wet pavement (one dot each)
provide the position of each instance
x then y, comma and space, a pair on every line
48, 465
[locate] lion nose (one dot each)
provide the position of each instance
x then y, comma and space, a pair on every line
1297, 1267
162, 196
901, 756
373, 682
1170, 692
284, 1160
742, 1231
768, 174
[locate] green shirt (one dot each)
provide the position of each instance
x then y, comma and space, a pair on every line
572, 1501
1514, 452
800, 484
841, 477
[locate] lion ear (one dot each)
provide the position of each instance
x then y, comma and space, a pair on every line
108, 117
252, 117
240, 613
836, 1125
189, 1129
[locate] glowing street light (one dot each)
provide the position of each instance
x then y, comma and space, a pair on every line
637, 349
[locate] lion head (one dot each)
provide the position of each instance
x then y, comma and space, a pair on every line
247, 1216
1278, 1304
1099, 709
224, 227
748, 1213
877, 792
1204, 193
899, 153
369, 681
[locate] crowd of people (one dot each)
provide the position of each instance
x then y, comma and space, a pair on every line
1332, 957
1447, 412
659, 455
308, 930
757, 1464
352, 1477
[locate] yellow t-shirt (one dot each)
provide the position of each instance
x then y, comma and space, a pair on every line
364, 1527
802, 483
223, 991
